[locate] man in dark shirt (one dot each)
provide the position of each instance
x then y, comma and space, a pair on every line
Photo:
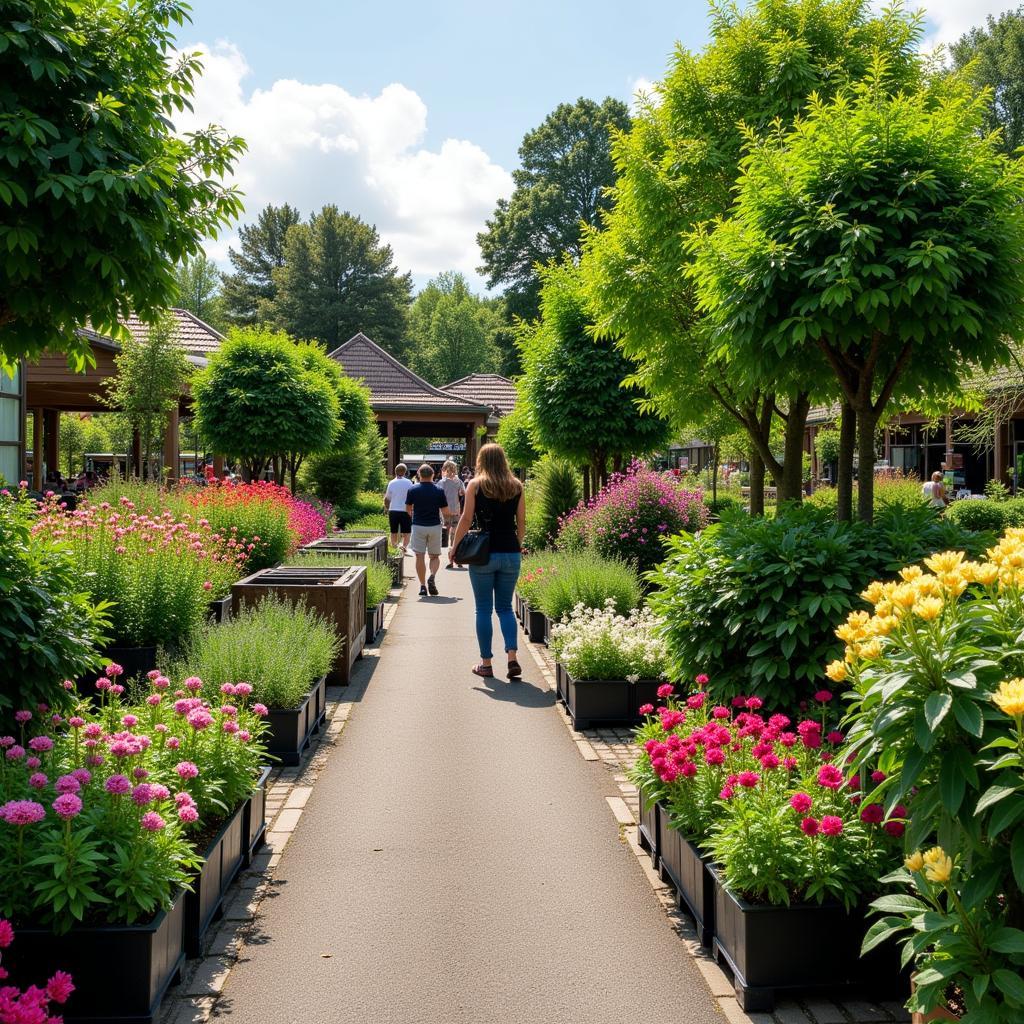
424, 503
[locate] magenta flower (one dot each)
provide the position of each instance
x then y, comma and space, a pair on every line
22, 812
59, 987
830, 777
872, 814
665, 690
823, 696
243, 689
809, 826
152, 822
15, 753
186, 769
894, 828
67, 784
199, 718
38, 780
83, 775
646, 709
188, 814
800, 802
831, 825
877, 777
260, 710
748, 779
6, 933
142, 794
32, 762
40, 744
113, 670
68, 806
21, 717
118, 785
75, 722
193, 683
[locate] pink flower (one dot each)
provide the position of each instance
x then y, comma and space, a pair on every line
118, 785
823, 696
152, 822
186, 769
207, 585
701, 680
32, 762
188, 814
877, 777
38, 780
173, 743
154, 699
83, 775
68, 806
142, 794
719, 712
161, 683
40, 744
59, 987
830, 777
75, 722
113, 670
244, 735
22, 812
260, 710
809, 826
68, 784
665, 690
894, 828
835, 737
696, 701
230, 726
789, 763
872, 814
243, 689
128, 721
646, 709
831, 825
748, 779
770, 761
21, 717
140, 773
199, 718
753, 703
800, 802
714, 755
227, 688
727, 793
15, 753
193, 683
183, 799
6, 933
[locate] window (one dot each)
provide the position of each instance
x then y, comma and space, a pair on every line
12, 418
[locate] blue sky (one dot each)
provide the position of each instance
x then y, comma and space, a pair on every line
410, 114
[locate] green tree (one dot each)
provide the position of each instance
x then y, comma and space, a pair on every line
580, 407
515, 435
199, 283
677, 168
101, 198
257, 401
250, 291
885, 232
71, 437
151, 375
338, 279
452, 331
993, 58
566, 169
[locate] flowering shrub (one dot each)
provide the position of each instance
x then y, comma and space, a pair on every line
761, 794
31, 1006
156, 573
631, 517
50, 629
937, 700
96, 811
598, 643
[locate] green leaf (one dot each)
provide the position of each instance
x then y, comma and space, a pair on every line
1007, 940
968, 715
992, 796
899, 903
1017, 857
880, 931
1010, 984
952, 785
936, 707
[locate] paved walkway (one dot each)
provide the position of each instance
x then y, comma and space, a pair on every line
455, 863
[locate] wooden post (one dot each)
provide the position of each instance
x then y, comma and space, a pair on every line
171, 453
888, 446
51, 435
997, 454
392, 454
218, 466
135, 460
949, 442
37, 449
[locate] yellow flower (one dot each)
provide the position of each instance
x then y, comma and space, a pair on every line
910, 573
874, 592
929, 586
883, 625
914, 862
872, 649
938, 867
955, 583
945, 561
1009, 697
836, 671
904, 596
986, 574
928, 608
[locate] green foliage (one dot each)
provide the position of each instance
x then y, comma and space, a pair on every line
98, 191
377, 521
451, 331
50, 629
337, 279
515, 435
826, 445
341, 476
80, 434
199, 283
280, 648
378, 575
996, 490
555, 582
256, 399
566, 166
1013, 511
556, 492
725, 506
978, 515
363, 504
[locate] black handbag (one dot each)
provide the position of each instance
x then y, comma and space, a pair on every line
475, 547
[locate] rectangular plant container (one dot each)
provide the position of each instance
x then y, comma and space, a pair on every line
649, 828
535, 626
561, 682
803, 946
339, 595
221, 862
524, 612
374, 622
645, 691
220, 610
120, 972
255, 828
689, 872
289, 729
364, 544
517, 605
597, 701
396, 563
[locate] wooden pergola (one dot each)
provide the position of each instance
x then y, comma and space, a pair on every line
407, 406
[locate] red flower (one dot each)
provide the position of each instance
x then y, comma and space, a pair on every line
872, 814
823, 696
800, 802
830, 777
894, 828
809, 826
748, 779
831, 825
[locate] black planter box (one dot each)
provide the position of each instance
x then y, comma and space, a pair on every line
289, 729
561, 683
524, 612
120, 972
645, 691
683, 866
803, 946
597, 701
255, 828
517, 606
374, 622
649, 829
222, 860
220, 610
535, 626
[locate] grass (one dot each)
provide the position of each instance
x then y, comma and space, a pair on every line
378, 575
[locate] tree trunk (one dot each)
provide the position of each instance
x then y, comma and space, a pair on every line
844, 466
867, 420
756, 484
793, 457
714, 473
617, 462
586, 483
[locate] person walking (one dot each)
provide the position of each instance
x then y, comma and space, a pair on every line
934, 491
424, 503
394, 502
496, 499
455, 492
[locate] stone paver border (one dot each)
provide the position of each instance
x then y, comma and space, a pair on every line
614, 749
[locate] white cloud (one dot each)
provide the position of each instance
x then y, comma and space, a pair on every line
640, 88
315, 144
948, 20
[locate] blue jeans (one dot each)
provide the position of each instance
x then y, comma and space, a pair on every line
493, 587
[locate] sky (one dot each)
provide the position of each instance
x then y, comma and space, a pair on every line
411, 114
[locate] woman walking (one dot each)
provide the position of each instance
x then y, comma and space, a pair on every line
495, 498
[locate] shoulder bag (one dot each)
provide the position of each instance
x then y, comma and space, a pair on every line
475, 547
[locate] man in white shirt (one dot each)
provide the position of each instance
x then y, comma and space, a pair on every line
394, 502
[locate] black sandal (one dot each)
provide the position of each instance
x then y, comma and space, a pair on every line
515, 670
483, 671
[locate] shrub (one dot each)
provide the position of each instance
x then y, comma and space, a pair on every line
631, 517
978, 514
1013, 511
590, 581
725, 507
366, 503
50, 628
376, 521
279, 648
598, 643
555, 492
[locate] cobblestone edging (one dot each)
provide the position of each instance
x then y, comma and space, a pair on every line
614, 749
194, 1000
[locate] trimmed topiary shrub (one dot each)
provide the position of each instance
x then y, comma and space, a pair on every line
979, 514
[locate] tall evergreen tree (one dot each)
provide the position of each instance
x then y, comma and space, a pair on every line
199, 283
337, 279
250, 290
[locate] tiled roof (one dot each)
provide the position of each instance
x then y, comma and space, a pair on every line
489, 389
391, 384
197, 338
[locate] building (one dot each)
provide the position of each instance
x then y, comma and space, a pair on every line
491, 389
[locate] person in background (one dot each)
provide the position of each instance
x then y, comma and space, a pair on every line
454, 491
425, 503
466, 474
934, 491
394, 502
495, 497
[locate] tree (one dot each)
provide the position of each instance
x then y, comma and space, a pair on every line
151, 375
993, 58
451, 331
561, 185
101, 198
338, 279
676, 169
199, 290
250, 291
580, 407
256, 400
884, 231
79, 435
515, 435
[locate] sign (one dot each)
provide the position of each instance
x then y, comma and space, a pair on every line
958, 460
448, 446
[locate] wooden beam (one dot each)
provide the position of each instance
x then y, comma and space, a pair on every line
51, 440
37, 449
171, 453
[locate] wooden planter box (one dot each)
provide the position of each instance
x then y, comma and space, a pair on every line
602, 701
689, 872
339, 595
649, 828
364, 545
374, 622
289, 729
220, 610
222, 860
121, 972
255, 828
804, 946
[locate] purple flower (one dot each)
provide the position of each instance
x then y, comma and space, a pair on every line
118, 785
67, 784
68, 806
40, 744
22, 812
152, 822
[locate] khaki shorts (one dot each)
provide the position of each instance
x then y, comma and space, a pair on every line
426, 540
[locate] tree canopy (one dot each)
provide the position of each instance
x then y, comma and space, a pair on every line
337, 279
566, 168
515, 435
199, 290
101, 198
